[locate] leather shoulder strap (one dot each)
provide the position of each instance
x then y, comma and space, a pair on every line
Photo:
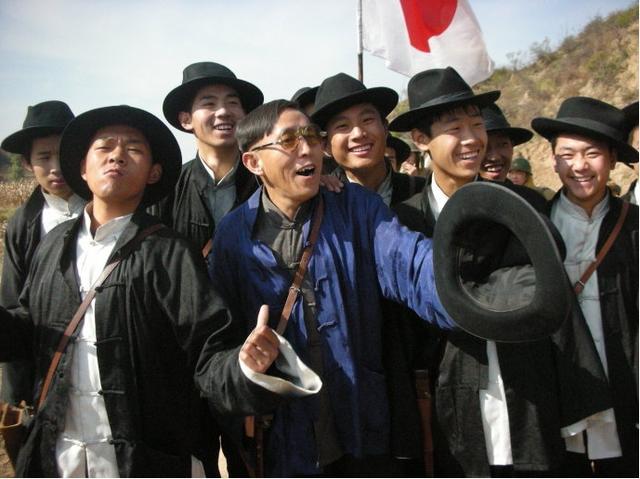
79, 314
294, 290
579, 286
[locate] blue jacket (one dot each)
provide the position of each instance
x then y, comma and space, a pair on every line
362, 253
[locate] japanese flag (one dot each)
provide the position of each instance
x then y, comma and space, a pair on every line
416, 35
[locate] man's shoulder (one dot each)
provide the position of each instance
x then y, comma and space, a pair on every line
27, 211
531, 196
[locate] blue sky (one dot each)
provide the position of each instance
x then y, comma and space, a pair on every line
97, 53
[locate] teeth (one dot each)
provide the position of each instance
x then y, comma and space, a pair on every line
225, 127
306, 171
360, 149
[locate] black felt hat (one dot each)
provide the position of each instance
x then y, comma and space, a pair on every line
341, 91
164, 147
305, 96
631, 112
197, 75
436, 90
494, 120
483, 219
591, 118
43, 119
402, 149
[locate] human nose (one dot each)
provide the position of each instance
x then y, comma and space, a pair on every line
117, 155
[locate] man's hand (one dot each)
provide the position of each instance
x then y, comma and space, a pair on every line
332, 183
260, 349
408, 168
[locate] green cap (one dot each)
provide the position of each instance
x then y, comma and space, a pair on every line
520, 164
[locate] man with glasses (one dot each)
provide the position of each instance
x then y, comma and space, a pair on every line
336, 329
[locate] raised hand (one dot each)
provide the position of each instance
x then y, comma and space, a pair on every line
260, 349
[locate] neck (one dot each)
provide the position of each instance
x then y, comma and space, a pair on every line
370, 178
288, 206
220, 159
101, 212
448, 184
65, 196
587, 205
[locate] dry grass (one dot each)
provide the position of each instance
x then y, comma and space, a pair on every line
12, 195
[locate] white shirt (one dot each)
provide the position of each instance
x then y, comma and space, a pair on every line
83, 448
493, 403
56, 211
580, 234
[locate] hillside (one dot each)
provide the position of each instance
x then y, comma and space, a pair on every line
600, 62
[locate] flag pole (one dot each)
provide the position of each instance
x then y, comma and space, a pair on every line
359, 21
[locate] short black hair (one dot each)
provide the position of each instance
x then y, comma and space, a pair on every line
260, 122
425, 123
554, 141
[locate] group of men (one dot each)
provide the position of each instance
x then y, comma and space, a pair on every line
247, 284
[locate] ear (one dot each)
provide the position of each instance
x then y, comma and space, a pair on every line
154, 174
420, 139
184, 117
614, 157
83, 169
326, 148
26, 165
554, 161
253, 163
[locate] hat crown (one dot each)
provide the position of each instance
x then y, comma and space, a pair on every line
199, 70
435, 83
592, 109
337, 87
51, 114
521, 164
494, 119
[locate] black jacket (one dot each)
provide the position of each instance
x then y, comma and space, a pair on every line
20, 241
187, 211
545, 384
618, 287
153, 315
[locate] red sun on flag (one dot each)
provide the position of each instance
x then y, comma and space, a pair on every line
427, 19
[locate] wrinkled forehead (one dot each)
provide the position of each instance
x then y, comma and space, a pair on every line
290, 119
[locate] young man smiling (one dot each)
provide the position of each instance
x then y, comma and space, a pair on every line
122, 401
482, 401
501, 138
51, 203
209, 104
355, 119
587, 138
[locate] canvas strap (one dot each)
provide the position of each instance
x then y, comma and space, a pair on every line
579, 286
79, 314
294, 290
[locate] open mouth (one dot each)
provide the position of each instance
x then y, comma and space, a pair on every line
470, 156
361, 148
306, 171
223, 127
493, 167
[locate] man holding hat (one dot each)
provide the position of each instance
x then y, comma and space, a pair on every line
587, 138
51, 203
501, 138
121, 400
209, 104
355, 119
491, 415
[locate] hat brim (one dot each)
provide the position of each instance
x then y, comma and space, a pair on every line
19, 142
491, 203
517, 135
408, 120
164, 147
384, 99
180, 98
551, 127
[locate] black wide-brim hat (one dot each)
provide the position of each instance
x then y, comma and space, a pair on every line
631, 113
305, 96
492, 218
341, 91
198, 75
494, 120
402, 149
44, 119
438, 89
593, 119
77, 137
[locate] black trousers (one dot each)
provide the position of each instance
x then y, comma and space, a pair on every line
579, 465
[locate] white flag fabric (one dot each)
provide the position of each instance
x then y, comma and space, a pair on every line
416, 35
